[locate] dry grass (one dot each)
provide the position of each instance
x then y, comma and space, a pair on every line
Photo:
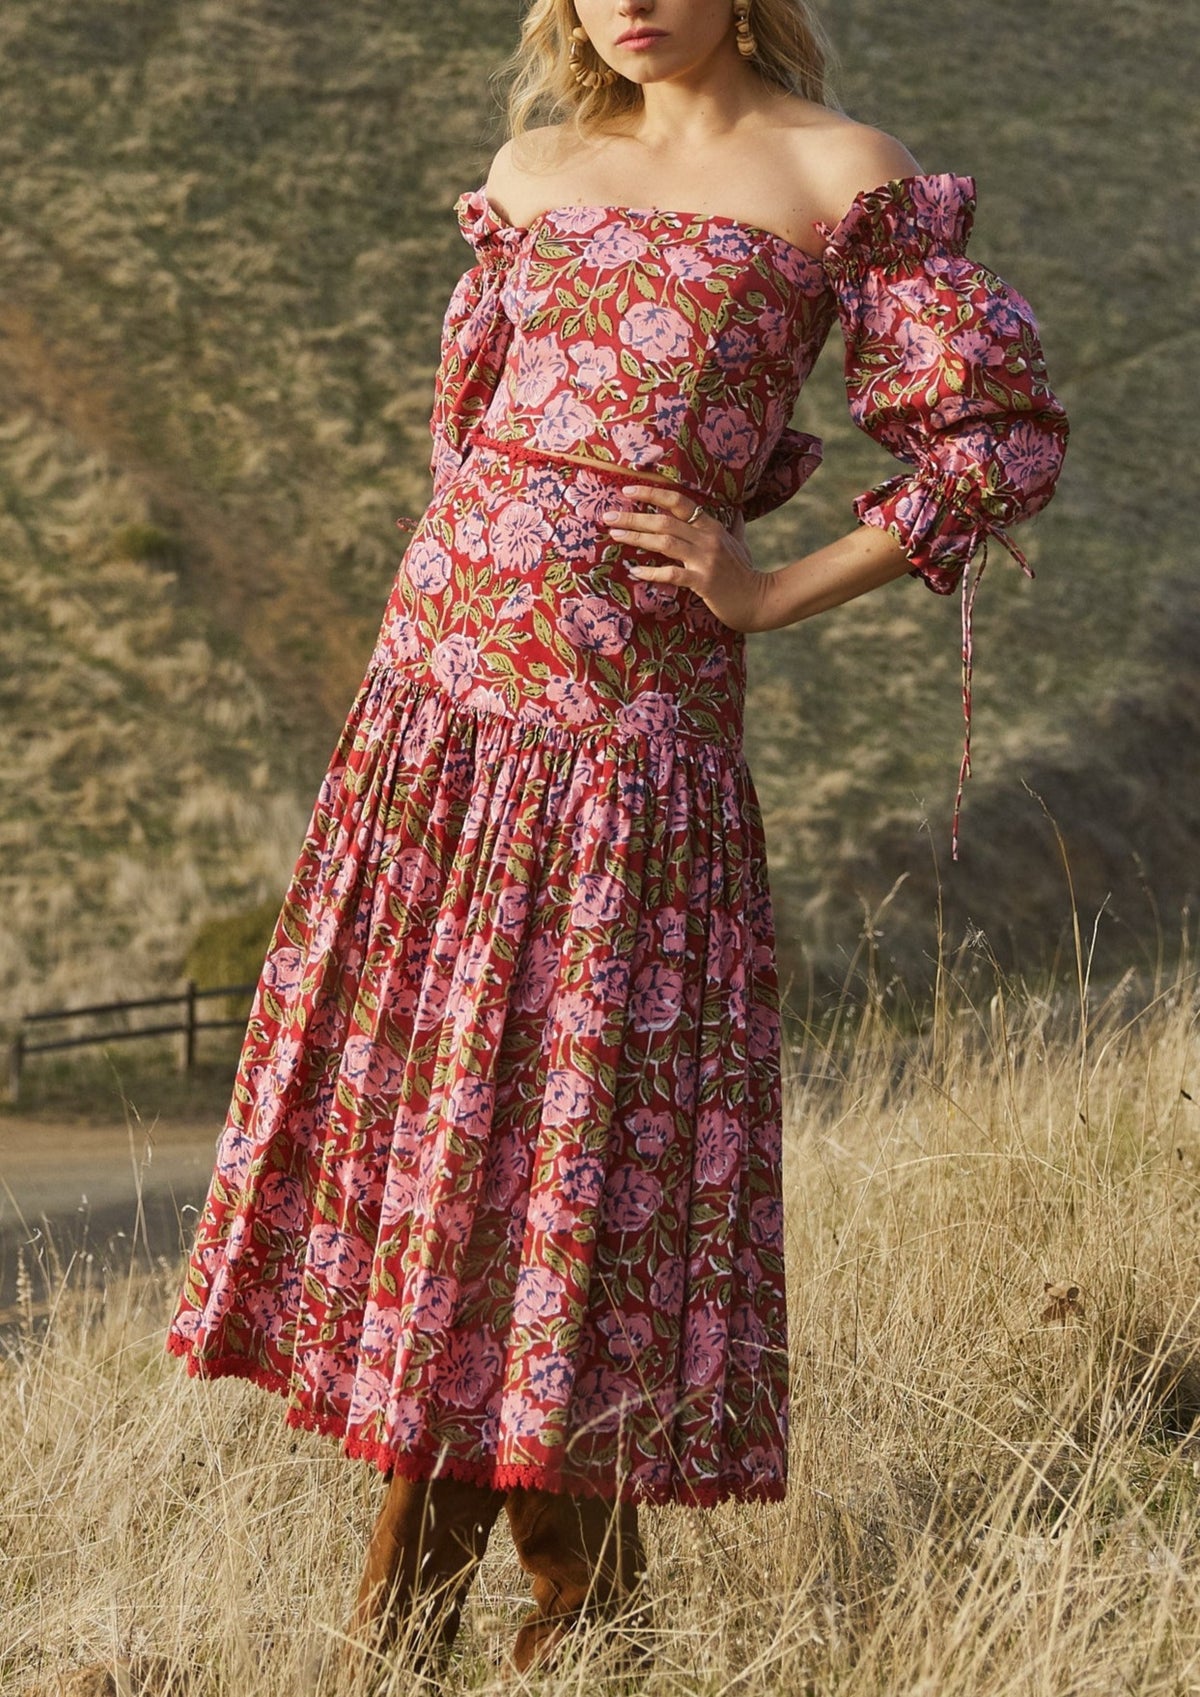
992, 1491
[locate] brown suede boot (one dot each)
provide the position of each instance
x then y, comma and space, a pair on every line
587, 1562
428, 1541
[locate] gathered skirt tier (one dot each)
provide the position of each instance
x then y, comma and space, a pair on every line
498, 1196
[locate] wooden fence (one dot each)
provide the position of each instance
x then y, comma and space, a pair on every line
186, 1026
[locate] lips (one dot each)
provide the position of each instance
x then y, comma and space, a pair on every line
640, 37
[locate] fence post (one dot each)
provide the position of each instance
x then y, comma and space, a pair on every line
16, 1055
188, 1048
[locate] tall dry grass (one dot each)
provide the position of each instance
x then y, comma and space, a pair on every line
994, 1489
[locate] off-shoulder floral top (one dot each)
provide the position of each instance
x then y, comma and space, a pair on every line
678, 344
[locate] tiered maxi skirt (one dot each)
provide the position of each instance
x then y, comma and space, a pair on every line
498, 1196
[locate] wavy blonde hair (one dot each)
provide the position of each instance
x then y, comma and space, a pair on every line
793, 54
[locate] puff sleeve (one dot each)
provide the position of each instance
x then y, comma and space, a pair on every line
944, 367
476, 333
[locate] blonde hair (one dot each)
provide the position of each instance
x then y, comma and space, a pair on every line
793, 54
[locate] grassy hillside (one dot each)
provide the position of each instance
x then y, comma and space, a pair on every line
225, 246
992, 1492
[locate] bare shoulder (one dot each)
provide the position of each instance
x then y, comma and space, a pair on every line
839, 158
518, 171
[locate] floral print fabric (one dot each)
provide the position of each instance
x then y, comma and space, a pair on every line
499, 1192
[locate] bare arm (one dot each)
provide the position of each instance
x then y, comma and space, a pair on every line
714, 562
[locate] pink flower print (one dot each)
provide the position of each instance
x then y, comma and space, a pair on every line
517, 602
579, 1015
763, 1465
766, 1222
453, 661
281, 1202
512, 908
543, 366
432, 1301
684, 262
339, 1258
483, 700
564, 424
592, 495
667, 1285
715, 664
471, 1099
359, 1182
609, 979
919, 348
794, 264
613, 245
655, 999
414, 875
718, 1146
536, 972
593, 365
659, 598
771, 330
283, 970
731, 242
575, 702
539, 1293
595, 624
651, 712
597, 900
672, 923
735, 347
568, 1097
603, 1399
370, 1067
762, 1031
454, 1219
1007, 312
704, 1340
977, 348
470, 535
406, 1422
729, 435
657, 332
967, 451
468, 1368
1028, 454
670, 411
631, 1197
636, 445
505, 1167
380, 1330
551, 1378
651, 1132
627, 1335
521, 1416
746, 1328
581, 1180
577, 219
427, 566
329, 1375
519, 536
939, 199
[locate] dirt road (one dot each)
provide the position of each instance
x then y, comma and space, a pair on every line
72, 1191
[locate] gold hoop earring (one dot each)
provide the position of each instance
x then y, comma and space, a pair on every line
746, 44
587, 76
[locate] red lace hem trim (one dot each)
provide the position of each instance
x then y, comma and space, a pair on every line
706, 1494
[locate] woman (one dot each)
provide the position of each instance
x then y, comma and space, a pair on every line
499, 1201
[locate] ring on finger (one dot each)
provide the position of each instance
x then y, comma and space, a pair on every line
694, 514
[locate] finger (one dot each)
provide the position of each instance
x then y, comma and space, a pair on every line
664, 542
669, 574
674, 501
650, 524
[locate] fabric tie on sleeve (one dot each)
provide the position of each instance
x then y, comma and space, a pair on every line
944, 367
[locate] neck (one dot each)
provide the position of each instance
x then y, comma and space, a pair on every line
699, 105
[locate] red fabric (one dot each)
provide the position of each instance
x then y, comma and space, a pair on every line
499, 1194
